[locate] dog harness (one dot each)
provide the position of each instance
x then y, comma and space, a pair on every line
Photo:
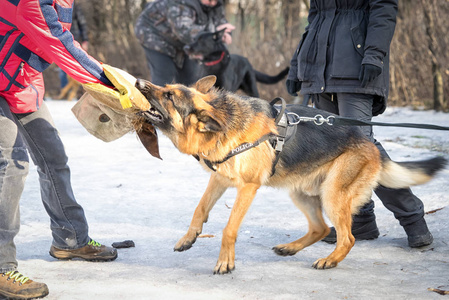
286, 128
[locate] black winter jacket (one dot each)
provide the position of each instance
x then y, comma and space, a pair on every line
340, 37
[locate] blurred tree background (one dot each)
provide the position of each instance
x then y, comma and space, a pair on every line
267, 34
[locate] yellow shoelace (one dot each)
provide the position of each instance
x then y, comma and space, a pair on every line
94, 243
17, 276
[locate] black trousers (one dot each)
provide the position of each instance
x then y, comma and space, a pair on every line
163, 70
406, 207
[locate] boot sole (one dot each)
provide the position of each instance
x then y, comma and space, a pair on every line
10, 296
424, 240
69, 256
357, 239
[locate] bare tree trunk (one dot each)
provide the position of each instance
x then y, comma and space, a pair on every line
438, 93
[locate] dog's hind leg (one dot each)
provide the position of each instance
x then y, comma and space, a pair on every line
341, 217
245, 196
63, 92
311, 207
72, 94
215, 189
348, 186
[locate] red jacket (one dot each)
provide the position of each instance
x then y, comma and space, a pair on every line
34, 34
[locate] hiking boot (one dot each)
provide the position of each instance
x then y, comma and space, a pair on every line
14, 285
360, 231
418, 234
93, 251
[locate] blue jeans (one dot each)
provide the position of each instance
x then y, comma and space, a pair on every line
406, 207
36, 133
63, 78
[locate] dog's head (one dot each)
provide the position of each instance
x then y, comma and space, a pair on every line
183, 113
205, 44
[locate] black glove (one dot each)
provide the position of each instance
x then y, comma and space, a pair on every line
368, 73
293, 87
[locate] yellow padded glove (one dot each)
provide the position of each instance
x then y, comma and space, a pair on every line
125, 97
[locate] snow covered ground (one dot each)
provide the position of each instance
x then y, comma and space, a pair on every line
129, 195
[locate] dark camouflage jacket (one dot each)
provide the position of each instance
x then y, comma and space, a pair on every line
168, 25
79, 27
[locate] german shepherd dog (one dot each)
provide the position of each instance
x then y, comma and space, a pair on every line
233, 71
330, 168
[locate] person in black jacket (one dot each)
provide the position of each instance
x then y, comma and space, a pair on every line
342, 61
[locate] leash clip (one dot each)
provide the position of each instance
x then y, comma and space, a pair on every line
320, 120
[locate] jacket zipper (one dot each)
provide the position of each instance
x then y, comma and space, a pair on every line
14, 77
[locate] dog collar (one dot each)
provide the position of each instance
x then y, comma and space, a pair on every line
214, 62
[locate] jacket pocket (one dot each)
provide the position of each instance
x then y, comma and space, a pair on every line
306, 55
348, 52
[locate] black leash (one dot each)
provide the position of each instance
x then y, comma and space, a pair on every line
348, 121
336, 120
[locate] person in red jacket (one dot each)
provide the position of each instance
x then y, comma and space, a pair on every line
34, 34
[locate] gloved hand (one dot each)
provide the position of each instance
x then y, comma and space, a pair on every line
368, 73
293, 86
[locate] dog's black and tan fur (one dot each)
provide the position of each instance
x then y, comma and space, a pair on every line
325, 168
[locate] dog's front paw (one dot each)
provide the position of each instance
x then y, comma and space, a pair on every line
223, 267
225, 263
285, 250
185, 243
324, 263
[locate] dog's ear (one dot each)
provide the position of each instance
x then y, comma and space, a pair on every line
218, 35
207, 122
205, 84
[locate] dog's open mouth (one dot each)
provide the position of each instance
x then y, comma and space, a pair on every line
152, 115
194, 56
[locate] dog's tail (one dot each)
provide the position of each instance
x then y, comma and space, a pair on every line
398, 175
267, 79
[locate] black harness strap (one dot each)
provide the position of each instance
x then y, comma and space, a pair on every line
240, 149
276, 141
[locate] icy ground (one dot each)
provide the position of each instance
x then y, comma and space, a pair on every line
129, 195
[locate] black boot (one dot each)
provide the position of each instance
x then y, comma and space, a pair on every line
418, 234
364, 225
